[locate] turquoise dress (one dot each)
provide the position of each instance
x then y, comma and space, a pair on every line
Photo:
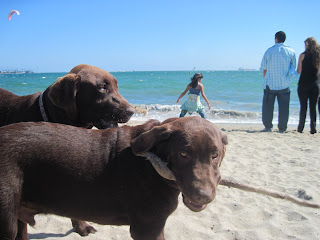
193, 104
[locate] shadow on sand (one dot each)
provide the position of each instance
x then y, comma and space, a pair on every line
49, 235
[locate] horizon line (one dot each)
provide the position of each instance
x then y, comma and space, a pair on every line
119, 71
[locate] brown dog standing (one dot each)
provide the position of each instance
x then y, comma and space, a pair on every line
105, 176
87, 96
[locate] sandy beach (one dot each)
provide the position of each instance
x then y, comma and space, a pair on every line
287, 163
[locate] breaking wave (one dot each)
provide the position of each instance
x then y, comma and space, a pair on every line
162, 112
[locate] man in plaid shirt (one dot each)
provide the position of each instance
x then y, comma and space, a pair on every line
278, 64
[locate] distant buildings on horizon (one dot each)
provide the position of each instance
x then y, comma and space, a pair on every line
15, 72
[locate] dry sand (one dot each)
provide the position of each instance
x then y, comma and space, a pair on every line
286, 163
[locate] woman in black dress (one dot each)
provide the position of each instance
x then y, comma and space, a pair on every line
308, 86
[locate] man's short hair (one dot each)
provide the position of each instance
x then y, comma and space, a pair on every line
281, 36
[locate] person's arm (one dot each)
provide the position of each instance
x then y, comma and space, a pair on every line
204, 96
263, 66
299, 69
182, 94
294, 61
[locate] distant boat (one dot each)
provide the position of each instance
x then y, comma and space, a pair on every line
247, 69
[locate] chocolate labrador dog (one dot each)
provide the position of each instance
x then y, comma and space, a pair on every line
117, 176
87, 96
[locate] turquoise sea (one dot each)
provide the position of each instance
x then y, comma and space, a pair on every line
235, 96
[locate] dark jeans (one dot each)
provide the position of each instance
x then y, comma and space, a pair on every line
319, 107
201, 112
310, 93
283, 97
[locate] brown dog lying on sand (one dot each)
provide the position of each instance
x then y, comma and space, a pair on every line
87, 96
118, 176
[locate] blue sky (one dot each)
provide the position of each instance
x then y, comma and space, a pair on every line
125, 35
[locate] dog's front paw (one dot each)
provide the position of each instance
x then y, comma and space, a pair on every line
82, 227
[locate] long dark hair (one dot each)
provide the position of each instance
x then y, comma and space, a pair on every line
313, 48
194, 80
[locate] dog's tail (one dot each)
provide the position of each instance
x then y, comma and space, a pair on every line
264, 191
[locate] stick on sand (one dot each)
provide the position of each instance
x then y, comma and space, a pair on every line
264, 191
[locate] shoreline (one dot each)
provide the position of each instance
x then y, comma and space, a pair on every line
242, 126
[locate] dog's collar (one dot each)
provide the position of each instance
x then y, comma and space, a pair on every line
42, 110
159, 165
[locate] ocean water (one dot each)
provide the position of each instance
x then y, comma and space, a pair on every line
235, 96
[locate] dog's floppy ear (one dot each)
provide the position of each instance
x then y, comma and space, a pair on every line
63, 93
147, 140
224, 140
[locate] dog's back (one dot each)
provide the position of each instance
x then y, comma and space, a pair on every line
14, 108
6, 98
52, 140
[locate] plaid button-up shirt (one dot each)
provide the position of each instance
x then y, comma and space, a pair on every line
280, 62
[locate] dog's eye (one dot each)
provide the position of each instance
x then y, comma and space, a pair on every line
183, 154
102, 87
214, 156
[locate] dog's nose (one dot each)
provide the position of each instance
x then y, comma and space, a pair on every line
130, 111
205, 196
